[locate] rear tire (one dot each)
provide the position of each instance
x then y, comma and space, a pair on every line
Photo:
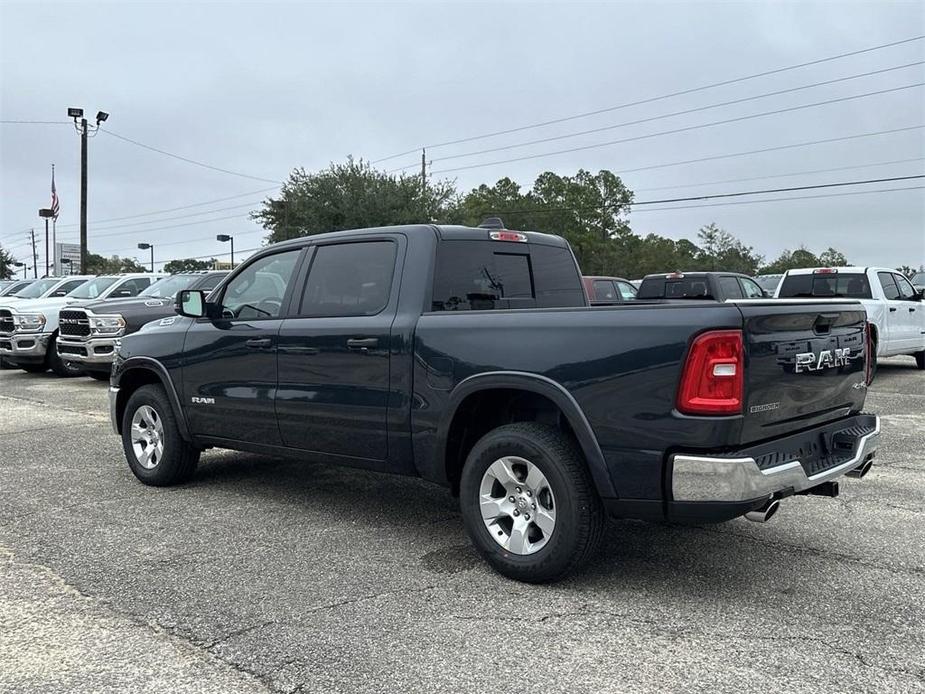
58, 366
151, 440
567, 521
920, 359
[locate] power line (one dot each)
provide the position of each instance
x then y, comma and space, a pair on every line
183, 216
799, 197
735, 194
654, 98
188, 160
175, 209
676, 130
760, 151
784, 175
677, 113
35, 122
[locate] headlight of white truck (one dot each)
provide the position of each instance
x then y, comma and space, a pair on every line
28, 322
109, 324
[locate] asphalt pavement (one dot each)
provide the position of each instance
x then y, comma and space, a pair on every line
266, 575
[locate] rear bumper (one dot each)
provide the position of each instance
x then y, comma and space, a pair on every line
24, 347
786, 466
90, 351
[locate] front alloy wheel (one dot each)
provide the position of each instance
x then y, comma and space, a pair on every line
147, 437
518, 505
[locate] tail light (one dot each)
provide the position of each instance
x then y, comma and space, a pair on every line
869, 353
713, 379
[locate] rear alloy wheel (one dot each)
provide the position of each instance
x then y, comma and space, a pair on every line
529, 504
153, 446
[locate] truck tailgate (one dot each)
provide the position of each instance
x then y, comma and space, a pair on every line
805, 364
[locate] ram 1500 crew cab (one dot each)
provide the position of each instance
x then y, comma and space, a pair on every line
470, 357
894, 307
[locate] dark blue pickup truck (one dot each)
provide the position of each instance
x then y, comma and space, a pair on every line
471, 358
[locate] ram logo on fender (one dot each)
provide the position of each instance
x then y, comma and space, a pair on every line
826, 359
202, 401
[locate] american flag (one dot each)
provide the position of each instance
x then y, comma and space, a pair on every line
54, 194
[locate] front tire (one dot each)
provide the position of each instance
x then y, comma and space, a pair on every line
34, 368
529, 504
58, 366
920, 359
151, 440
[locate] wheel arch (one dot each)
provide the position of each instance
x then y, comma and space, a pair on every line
141, 371
501, 392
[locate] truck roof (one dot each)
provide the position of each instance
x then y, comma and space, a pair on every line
444, 232
843, 268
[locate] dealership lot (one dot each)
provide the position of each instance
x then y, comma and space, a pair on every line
275, 575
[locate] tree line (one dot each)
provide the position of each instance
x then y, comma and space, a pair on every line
590, 210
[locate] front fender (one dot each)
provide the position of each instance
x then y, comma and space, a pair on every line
541, 385
123, 374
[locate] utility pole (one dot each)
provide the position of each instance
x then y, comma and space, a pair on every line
424, 182
83, 194
35, 257
85, 130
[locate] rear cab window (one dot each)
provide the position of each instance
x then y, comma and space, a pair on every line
850, 285
471, 275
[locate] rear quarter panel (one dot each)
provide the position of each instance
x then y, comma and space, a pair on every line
620, 363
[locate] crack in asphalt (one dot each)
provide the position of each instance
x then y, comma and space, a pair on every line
817, 552
55, 406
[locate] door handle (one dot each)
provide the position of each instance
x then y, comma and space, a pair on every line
911, 310
258, 342
892, 309
362, 343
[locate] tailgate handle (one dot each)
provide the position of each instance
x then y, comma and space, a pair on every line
824, 321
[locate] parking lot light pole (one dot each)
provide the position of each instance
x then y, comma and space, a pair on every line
225, 238
46, 213
85, 130
23, 266
146, 246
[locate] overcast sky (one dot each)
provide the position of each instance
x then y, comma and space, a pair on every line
262, 87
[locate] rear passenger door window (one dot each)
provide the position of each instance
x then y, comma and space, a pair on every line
604, 291
890, 290
751, 289
349, 279
730, 287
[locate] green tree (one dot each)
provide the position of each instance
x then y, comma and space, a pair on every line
832, 258
908, 271
720, 250
100, 265
7, 269
588, 209
350, 196
189, 265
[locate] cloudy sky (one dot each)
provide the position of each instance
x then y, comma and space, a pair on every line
259, 88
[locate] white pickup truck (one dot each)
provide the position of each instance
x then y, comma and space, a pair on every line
895, 309
29, 326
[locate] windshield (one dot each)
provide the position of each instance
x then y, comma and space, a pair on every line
768, 282
168, 287
37, 288
93, 288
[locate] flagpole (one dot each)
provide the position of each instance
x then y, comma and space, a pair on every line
54, 231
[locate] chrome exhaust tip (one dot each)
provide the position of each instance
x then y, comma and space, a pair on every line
862, 470
763, 514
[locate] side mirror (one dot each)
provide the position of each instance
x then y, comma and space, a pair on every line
191, 303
